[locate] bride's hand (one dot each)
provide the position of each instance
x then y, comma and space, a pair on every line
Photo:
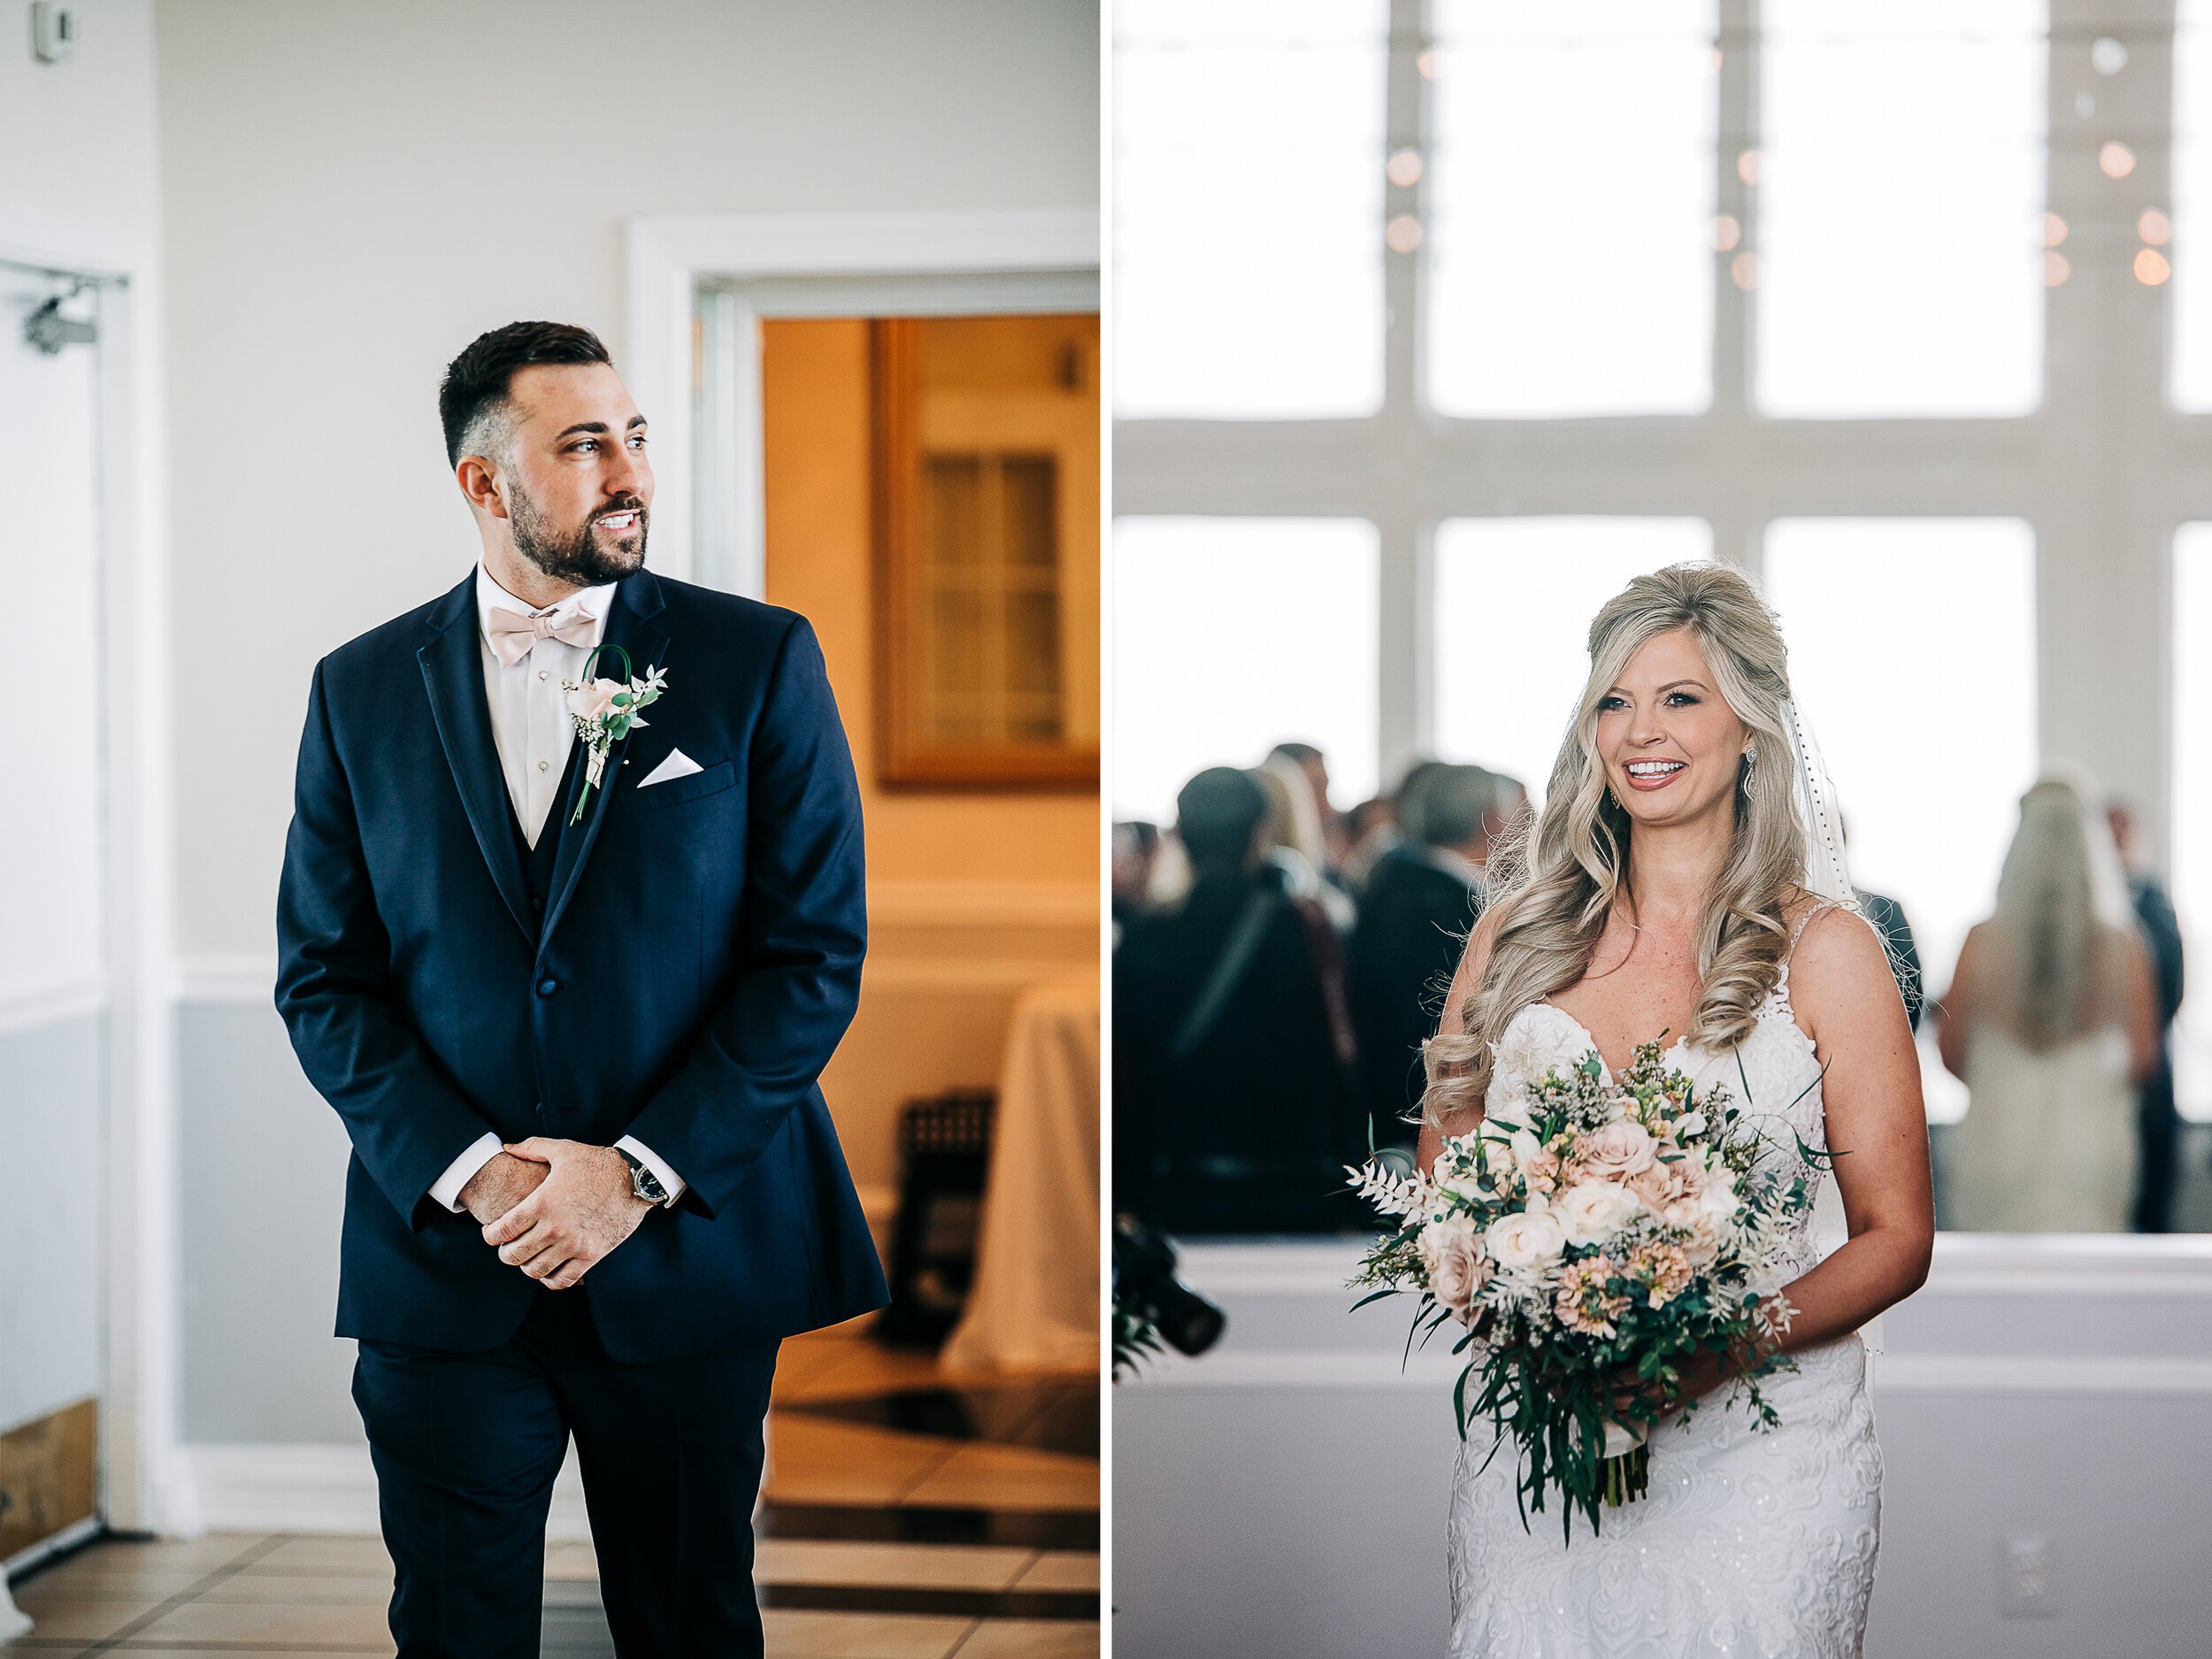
1700, 1373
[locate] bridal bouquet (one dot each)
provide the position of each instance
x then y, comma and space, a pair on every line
1591, 1241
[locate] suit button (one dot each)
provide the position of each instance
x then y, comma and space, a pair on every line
546, 988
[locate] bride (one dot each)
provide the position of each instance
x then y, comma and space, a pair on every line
1685, 877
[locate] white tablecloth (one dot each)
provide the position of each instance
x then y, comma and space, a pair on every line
1034, 1302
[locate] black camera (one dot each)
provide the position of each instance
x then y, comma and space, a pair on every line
1150, 1296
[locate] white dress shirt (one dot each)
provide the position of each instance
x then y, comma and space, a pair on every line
531, 730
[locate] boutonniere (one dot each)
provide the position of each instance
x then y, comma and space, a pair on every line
604, 711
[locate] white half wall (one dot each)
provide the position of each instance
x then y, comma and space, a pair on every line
1284, 1496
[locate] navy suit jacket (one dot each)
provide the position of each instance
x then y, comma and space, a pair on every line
698, 962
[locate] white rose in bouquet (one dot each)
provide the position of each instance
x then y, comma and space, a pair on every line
1461, 1270
1615, 1152
1440, 1235
1592, 1212
1529, 1239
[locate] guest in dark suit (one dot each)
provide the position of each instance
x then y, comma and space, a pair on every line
1888, 917
574, 1027
1422, 896
1233, 1108
2159, 1118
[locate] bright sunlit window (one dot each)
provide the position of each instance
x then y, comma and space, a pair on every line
2190, 372
1570, 236
1899, 268
2192, 813
1232, 635
1247, 207
1514, 601
1912, 654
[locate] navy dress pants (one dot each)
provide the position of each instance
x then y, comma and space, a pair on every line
466, 1446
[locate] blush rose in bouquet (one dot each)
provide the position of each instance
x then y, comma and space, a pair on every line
1592, 1240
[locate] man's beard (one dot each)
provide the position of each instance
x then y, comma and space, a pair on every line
578, 557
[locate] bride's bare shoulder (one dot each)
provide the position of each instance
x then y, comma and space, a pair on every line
1841, 968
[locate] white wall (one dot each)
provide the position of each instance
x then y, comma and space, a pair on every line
1286, 1495
355, 191
78, 175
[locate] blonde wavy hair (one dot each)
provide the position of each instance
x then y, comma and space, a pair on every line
1554, 880
2056, 941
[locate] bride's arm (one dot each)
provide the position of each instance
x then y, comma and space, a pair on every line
1847, 1001
1472, 962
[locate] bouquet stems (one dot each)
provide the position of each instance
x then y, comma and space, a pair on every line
1627, 1478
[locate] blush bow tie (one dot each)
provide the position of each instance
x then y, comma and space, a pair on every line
512, 634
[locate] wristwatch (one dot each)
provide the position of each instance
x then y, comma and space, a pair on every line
643, 1183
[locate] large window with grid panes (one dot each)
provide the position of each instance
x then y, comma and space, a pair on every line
1439, 318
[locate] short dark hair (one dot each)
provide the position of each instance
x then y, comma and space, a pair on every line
478, 378
1217, 814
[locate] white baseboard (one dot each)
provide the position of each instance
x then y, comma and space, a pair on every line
318, 1488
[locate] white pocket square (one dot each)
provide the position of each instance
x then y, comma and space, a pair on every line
678, 765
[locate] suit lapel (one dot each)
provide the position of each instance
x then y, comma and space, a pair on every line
453, 672
636, 626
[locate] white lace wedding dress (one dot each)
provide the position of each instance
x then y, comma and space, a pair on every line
1750, 1544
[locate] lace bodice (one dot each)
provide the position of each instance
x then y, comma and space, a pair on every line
1749, 1542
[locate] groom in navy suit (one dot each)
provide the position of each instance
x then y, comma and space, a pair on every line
573, 1027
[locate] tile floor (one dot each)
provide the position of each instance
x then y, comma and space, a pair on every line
904, 1518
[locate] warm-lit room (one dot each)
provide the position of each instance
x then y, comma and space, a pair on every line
845, 259
1438, 322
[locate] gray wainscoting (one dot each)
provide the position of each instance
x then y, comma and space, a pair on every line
1286, 1495
263, 1163
52, 1222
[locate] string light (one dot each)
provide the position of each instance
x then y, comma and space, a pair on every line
1427, 64
2054, 230
2151, 268
2154, 227
1402, 233
2056, 269
2107, 56
2117, 159
1727, 233
1403, 168
1743, 271
1747, 166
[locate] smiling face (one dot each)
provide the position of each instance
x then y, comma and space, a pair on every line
1671, 745
574, 482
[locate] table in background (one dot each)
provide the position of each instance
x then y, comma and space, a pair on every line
1034, 1302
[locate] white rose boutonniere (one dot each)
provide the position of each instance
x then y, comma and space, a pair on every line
604, 712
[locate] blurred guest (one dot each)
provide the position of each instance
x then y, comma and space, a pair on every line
2052, 1022
1233, 1106
1371, 830
1888, 918
1294, 843
1422, 897
2160, 1120
1309, 761
1136, 849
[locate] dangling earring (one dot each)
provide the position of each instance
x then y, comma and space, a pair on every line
1750, 756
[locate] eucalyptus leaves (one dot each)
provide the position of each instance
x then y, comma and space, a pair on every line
604, 711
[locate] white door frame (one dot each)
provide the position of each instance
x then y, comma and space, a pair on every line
144, 1485
806, 264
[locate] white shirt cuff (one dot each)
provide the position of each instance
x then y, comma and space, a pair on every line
462, 1171
671, 1183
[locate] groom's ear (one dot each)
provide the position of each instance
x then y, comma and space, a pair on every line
479, 483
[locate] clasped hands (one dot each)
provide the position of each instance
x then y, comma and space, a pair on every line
554, 1208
